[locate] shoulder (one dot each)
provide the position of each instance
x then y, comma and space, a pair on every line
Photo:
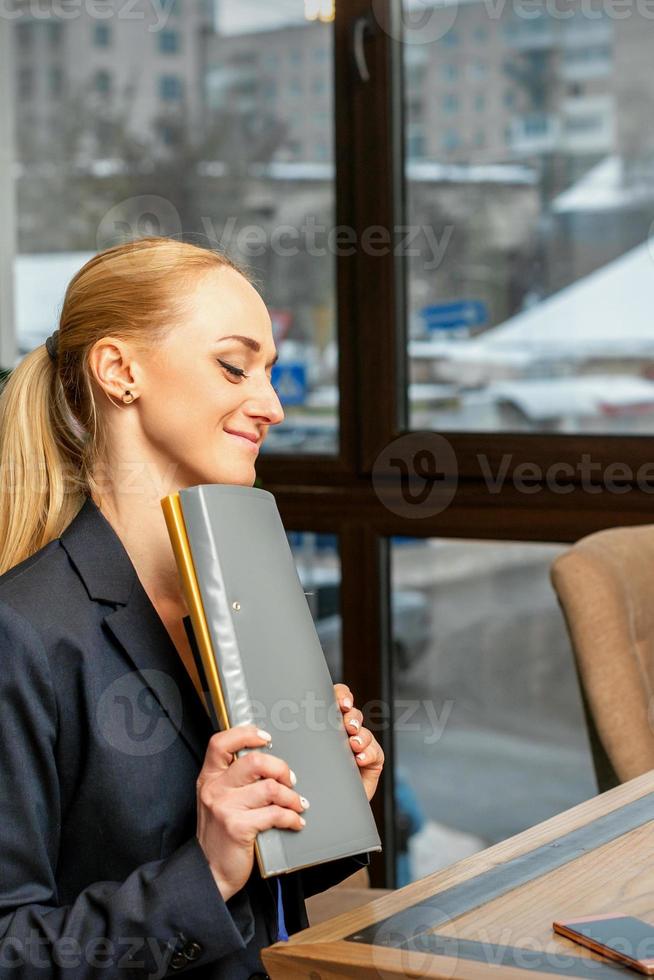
41, 587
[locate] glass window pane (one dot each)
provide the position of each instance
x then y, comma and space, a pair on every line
318, 563
530, 186
486, 697
222, 112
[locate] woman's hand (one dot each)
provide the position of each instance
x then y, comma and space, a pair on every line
368, 752
238, 797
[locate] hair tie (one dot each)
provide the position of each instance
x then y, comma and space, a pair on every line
52, 345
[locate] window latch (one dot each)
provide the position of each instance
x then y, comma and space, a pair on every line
362, 29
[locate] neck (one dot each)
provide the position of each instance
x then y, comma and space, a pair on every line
136, 516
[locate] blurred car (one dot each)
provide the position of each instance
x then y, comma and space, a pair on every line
410, 618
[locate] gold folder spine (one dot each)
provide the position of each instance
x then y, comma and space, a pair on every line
172, 510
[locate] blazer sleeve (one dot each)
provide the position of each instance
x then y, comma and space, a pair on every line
164, 910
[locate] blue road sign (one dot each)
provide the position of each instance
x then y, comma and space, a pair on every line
453, 316
290, 382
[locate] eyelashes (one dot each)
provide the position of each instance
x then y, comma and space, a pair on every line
237, 372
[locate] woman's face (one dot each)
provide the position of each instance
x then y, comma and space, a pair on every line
202, 386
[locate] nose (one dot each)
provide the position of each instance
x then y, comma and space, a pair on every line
266, 404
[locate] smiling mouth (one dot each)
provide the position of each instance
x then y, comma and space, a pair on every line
244, 440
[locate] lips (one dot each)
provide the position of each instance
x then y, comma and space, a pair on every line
244, 435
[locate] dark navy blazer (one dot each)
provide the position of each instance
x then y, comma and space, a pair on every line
102, 737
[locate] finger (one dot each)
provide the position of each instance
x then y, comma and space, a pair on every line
372, 755
259, 765
266, 792
273, 816
353, 720
344, 696
222, 746
361, 740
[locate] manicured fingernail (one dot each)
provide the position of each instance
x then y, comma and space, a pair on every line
293, 777
357, 738
305, 803
263, 734
361, 756
347, 702
303, 821
354, 723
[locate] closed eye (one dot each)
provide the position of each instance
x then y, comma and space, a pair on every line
238, 372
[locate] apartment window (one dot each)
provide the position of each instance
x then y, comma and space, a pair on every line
56, 81
450, 102
55, 34
450, 39
168, 134
102, 82
25, 83
169, 42
295, 86
319, 86
25, 34
451, 139
170, 88
416, 146
102, 35
296, 56
480, 102
450, 72
584, 124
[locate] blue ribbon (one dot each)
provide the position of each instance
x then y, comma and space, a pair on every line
281, 924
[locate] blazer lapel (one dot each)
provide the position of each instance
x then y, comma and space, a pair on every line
109, 576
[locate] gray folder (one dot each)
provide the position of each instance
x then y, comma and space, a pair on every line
273, 671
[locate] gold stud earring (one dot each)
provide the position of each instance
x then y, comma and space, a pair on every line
128, 397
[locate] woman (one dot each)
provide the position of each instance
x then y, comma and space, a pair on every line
126, 825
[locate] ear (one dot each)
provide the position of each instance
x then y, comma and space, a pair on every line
114, 366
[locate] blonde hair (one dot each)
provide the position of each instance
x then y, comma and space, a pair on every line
51, 434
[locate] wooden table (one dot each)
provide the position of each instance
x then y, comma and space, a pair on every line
491, 914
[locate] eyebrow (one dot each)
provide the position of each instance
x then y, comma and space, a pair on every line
252, 344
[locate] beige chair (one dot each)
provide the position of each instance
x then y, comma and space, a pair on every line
343, 897
605, 585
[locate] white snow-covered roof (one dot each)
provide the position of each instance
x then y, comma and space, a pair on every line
601, 189
609, 313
